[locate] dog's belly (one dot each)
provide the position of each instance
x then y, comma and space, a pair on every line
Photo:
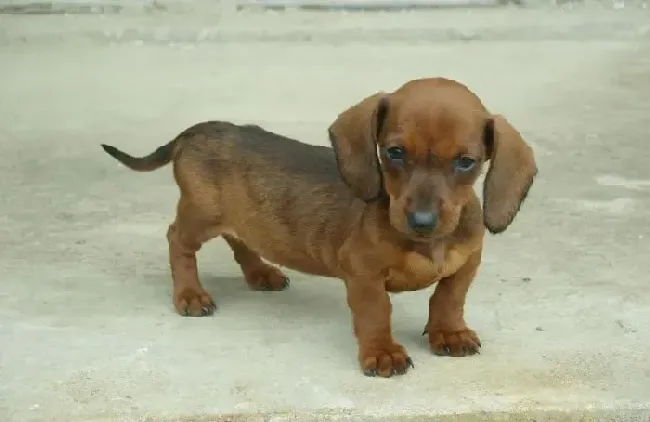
298, 263
282, 252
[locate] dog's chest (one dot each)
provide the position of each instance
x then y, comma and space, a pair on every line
420, 271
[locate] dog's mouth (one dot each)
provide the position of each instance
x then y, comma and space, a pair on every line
428, 237
418, 236
422, 238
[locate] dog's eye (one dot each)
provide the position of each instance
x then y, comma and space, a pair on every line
464, 164
396, 154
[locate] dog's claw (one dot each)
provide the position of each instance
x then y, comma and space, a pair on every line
207, 310
409, 362
425, 332
443, 351
370, 372
286, 283
185, 312
471, 350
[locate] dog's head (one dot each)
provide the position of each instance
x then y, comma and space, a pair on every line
423, 147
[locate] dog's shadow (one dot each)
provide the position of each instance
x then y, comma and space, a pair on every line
306, 297
315, 302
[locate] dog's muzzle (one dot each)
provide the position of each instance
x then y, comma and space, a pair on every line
422, 222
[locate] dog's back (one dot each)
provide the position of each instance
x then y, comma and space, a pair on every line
258, 151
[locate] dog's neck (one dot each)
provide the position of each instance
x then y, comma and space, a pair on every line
423, 248
434, 249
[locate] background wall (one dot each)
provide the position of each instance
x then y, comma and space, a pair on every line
116, 6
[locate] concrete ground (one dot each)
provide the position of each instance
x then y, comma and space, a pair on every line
87, 329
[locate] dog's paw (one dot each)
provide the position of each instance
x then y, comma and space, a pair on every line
453, 343
266, 277
385, 362
194, 302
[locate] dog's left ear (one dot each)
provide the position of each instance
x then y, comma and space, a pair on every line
354, 138
510, 176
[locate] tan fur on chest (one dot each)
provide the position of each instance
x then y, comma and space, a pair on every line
419, 271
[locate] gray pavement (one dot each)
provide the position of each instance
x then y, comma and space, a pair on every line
87, 329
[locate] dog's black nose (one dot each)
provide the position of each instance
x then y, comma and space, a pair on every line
422, 221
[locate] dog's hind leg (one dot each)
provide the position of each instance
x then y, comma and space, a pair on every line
186, 235
259, 274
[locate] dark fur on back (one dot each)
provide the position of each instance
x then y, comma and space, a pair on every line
283, 154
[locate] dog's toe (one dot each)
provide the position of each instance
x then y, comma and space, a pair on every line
386, 362
454, 343
266, 278
193, 302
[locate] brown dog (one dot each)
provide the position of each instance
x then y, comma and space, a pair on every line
391, 209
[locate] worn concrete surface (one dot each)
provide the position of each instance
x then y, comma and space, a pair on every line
87, 330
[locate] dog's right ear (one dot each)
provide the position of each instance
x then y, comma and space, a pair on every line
510, 176
354, 138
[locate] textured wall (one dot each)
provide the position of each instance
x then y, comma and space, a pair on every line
189, 6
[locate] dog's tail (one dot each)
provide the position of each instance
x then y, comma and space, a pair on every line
161, 156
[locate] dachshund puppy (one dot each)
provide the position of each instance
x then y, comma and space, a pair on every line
390, 208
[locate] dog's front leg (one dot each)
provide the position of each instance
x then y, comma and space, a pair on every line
448, 332
379, 354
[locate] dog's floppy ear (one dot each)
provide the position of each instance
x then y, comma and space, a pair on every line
354, 138
510, 176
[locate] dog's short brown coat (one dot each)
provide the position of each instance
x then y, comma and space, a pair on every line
342, 213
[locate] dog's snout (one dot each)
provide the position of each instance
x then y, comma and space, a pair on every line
422, 221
